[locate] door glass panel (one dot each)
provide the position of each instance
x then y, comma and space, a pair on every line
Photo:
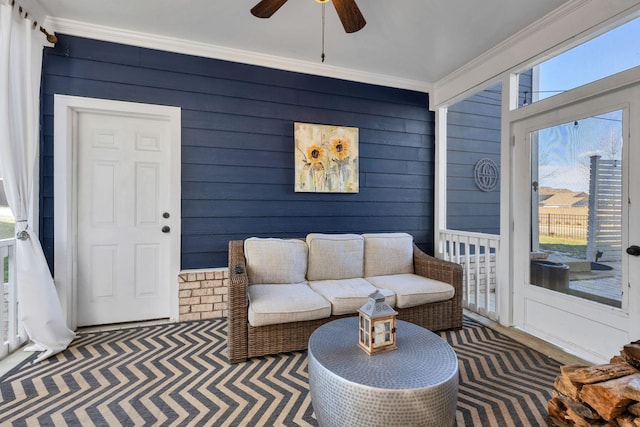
576, 200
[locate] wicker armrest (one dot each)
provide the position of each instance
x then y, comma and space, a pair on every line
438, 269
238, 303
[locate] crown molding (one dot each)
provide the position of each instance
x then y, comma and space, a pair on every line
565, 27
171, 44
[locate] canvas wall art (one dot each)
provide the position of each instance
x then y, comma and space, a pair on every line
326, 158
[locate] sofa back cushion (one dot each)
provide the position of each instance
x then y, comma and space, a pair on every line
335, 256
275, 261
387, 253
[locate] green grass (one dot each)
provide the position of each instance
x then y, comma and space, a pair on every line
577, 248
7, 230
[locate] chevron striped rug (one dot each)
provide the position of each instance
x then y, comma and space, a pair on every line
177, 374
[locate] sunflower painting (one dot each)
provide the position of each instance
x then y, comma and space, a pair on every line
326, 158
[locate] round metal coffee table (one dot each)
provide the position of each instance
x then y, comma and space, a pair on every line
415, 385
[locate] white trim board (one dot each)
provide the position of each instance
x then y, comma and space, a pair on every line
65, 190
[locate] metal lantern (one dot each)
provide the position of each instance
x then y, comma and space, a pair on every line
377, 325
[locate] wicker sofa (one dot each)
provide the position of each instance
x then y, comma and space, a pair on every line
330, 276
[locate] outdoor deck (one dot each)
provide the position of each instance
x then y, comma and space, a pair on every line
602, 286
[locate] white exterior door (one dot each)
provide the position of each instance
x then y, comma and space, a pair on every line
117, 218
123, 219
590, 312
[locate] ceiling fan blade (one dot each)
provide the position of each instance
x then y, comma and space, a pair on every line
350, 16
266, 8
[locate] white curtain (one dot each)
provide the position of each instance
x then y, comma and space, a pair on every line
20, 68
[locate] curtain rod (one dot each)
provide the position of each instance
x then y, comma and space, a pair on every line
51, 38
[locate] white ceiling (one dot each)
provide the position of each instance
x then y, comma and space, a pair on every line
416, 40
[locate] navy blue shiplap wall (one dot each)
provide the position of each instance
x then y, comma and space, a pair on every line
473, 133
237, 144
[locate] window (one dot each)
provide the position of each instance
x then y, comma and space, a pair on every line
600, 57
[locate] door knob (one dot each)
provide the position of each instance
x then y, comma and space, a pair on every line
167, 229
633, 250
166, 215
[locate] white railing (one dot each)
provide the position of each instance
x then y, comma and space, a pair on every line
478, 254
13, 334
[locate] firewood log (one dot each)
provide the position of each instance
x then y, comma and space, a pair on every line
617, 359
558, 412
633, 350
634, 409
566, 387
567, 369
632, 390
631, 354
607, 397
581, 415
598, 373
564, 384
580, 421
583, 410
626, 421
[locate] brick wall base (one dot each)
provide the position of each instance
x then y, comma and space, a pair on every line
203, 294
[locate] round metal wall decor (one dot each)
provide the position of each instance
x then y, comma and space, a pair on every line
486, 175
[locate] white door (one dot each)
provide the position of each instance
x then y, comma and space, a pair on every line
124, 218
576, 201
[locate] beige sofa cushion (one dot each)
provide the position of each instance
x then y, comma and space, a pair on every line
335, 256
412, 290
273, 304
387, 253
275, 261
348, 295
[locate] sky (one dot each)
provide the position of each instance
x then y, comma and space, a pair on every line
615, 51
564, 150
